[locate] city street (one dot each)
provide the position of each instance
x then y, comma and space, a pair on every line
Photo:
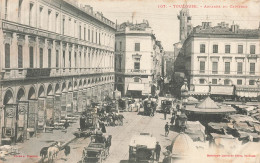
133, 125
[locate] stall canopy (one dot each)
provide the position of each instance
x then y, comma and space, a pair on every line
222, 90
208, 106
135, 87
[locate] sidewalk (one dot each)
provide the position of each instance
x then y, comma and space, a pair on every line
29, 151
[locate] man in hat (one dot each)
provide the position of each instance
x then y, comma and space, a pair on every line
166, 127
157, 151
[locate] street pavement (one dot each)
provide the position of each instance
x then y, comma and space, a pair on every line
29, 151
134, 124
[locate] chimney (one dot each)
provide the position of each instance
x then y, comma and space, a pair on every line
234, 28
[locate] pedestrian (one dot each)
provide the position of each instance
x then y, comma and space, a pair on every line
66, 151
103, 128
157, 151
172, 119
66, 125
165, 113
166, 127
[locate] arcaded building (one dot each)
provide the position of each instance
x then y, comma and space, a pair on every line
55, 57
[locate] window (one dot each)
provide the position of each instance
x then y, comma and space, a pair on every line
137, 47
20, 56
136, 80
120, 46
57, 58
202, 81
251, 82
75, 59
49, 58
80, 59
7, 55
202, 67
84, 60
88, 34
202, 48
92, 36
252, 49
56, 22
31, 57
40, 17
137, 65
115, 47
19, 10
49, 20
6, 8
227, 48
226, 82
214, 81
227, 67
80, 32
63, 25
96, 37
64, 63
240, 49
239, 67
252, 68
41, 58
239, 82
30, 14
214, 67
85, 33
70, 59
99, 38
215, 48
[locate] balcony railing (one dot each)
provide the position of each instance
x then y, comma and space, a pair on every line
24, 73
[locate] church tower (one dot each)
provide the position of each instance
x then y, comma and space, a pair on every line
185, 24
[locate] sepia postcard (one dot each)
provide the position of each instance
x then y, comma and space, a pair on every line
124, 81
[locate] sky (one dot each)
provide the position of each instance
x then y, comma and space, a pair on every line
163, 18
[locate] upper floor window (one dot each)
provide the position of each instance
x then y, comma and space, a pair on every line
227, 48
137, 46
215, 48
202, 81
7, 55
239, 82
31, 57
20, 56
120, 46
226, 82
56, 22
63, 25
40, 17
202, 66
41, 57
239, 67
137, 65
202, 48
136, 80
49, 20
57, 58
88, 34
252, 68
64, 61
252, 49
214, 81
6, 9
214, 67
49, 58
251, 82
227, 67
240, 49
31, 14
19, 10
80, 32
84, 33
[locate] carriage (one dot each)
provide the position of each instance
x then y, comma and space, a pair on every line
142, 148
88, 123
97, 150
149, 106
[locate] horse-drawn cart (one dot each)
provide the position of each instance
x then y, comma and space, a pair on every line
97, 150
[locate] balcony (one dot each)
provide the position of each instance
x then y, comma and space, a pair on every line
29, 73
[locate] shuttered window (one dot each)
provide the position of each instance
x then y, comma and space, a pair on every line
49, 58
41, 58
252, 68
57, 58
239, 67
214, 67
227, 67
252, 49
20, 56
31, 57
7, 55
202, 67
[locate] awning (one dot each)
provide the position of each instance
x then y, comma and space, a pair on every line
135, 87
246, 94
222, 90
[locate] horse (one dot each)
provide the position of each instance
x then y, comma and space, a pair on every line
44, 152
53, 152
